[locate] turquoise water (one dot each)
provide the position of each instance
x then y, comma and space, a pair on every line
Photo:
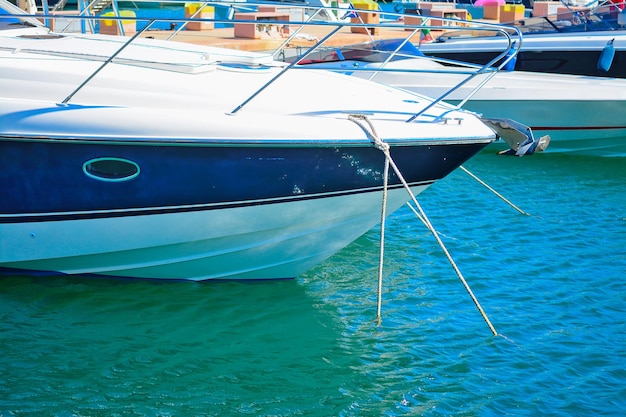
552, 284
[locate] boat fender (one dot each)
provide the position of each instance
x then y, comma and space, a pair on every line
621, 18
606, 57
510, 59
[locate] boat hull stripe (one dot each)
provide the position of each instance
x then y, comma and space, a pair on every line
45, 217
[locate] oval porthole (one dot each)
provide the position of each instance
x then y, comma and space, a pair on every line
111, 169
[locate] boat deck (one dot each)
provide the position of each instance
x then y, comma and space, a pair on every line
224, 37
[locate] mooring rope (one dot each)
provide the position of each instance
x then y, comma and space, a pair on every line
381, 256
484, 184
385, 148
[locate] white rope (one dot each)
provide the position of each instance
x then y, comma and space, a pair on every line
384, 147
381, 256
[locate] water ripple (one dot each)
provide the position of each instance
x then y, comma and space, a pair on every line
552, 283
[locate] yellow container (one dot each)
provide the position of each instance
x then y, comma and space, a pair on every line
511, 12
122, 13
207, 12
110, 26
366, 17
365, 4
191, 8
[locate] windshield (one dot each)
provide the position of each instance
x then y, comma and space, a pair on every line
376, 51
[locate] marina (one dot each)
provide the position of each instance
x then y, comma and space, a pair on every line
231, 168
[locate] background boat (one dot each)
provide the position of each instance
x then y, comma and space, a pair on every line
579, 113
578, 53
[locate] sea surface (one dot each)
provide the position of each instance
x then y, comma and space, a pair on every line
552, 284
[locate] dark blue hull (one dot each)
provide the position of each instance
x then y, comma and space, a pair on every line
554, 62
56, 180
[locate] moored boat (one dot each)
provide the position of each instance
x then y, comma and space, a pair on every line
595, 53
141, 158
568, 37
580, 114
